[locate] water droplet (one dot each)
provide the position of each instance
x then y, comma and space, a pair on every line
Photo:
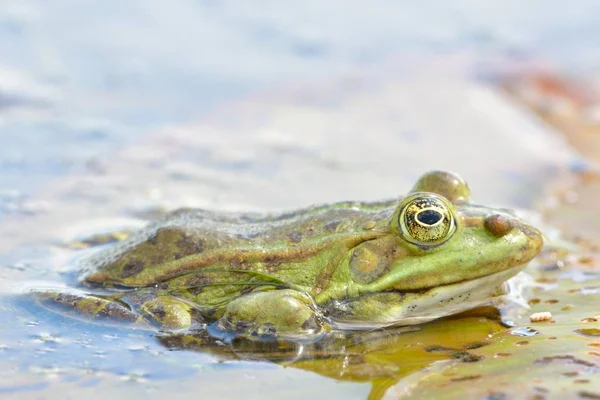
139, 377
100, 353
578, 276
555, 266
138, 347
524, 331
18, 266
586, 291
110, 336
47, 338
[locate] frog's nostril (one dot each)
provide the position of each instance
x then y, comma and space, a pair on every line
498, 225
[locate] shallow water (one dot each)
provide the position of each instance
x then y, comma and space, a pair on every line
220, 106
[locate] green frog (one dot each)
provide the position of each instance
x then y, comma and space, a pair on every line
348, 265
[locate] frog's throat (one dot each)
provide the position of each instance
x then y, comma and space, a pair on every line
427, 305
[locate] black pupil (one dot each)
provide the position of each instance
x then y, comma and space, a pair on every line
429, 217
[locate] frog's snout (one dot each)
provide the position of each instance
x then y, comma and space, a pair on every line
534, 237
500, 225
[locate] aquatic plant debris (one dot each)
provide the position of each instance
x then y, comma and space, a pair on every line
557, 359
540, 316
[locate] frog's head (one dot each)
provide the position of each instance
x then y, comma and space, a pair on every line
442, 254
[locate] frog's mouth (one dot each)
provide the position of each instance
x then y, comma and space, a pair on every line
411, 308
466, 286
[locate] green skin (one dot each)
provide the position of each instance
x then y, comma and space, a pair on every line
345, 265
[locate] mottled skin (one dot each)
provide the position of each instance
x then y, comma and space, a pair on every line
346, 265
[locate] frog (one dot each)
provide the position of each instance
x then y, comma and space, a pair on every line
350, 265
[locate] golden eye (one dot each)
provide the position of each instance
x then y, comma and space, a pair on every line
426, 219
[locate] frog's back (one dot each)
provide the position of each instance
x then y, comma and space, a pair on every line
188, 232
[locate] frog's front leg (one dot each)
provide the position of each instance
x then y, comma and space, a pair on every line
283, 313
144, 308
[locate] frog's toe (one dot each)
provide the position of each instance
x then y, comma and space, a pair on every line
90, 307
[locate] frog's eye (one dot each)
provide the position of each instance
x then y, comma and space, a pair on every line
426, 219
